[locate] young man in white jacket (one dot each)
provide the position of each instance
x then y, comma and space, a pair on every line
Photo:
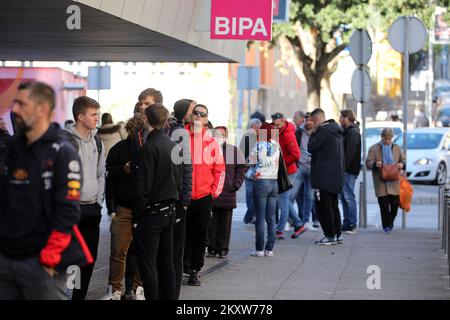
92, 153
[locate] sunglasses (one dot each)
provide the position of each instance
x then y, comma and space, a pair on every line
199, 114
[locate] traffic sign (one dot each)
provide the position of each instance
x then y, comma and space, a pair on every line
361, 85
407, 35
360, 47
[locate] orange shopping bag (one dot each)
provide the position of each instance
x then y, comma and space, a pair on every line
406, 194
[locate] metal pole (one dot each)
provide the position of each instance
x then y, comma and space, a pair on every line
430, 75
405, 100
240, 108
364, 146
99, 82
441, 204
445, 226
361, 205
249, 103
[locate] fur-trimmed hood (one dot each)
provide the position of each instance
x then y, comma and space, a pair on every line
109, 129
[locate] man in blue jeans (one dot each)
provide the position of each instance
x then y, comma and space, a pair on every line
305, 202
352, 151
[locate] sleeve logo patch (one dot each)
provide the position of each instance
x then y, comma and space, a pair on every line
74, 166
74, 184
20, 174
73, 195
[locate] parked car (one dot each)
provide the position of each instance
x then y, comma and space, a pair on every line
443, 116
428, 154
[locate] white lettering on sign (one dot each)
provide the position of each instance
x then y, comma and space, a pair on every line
239, 26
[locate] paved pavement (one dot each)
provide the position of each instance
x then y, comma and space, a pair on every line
410, 263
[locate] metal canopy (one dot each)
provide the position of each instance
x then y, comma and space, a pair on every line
36, 30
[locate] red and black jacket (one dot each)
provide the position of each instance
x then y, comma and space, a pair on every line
39, 197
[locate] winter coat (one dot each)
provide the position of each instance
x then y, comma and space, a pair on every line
289, 147
327, 157
208, 165
352, 148
110, 135
234, 177
383, 188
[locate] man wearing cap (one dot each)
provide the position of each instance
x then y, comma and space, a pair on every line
291, 155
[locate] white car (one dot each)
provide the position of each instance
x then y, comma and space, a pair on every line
374, 128
428, 155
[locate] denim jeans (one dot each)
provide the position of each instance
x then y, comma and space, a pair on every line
307, 200
265, 193
286, 200
250, 214
348, 201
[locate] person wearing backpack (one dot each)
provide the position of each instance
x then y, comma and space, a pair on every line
92, 153
40, 182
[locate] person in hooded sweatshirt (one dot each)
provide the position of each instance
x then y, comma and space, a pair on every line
327, 174
92, 153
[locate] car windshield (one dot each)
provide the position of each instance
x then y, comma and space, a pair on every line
422, 140
376, 132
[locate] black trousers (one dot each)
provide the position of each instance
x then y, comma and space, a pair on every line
90, 230
328, 212
154, 247
220, 230
197, 223
389, 207
179, 239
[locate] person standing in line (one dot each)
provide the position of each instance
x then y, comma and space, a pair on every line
265, 157
157, 191
208, 177
119, 201
110, 133
92, 153
387, 192
222, 208
291, 155
352, 151
40, 179
327, 174
182, 111
305, 203
299, 119
247, 143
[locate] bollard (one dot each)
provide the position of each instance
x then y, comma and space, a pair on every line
446, 220
440, 207
361, 204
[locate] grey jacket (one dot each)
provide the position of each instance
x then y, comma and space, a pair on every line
93, 167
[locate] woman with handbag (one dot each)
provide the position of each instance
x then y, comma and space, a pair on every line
265, 158
386, 159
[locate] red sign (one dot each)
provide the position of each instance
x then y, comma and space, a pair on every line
241, 19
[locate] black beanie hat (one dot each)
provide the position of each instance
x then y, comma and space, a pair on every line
180, 108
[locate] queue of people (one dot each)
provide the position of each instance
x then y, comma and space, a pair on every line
169, 182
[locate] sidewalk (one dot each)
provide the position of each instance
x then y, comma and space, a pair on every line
410, 263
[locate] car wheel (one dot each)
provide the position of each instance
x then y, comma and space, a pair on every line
441, 174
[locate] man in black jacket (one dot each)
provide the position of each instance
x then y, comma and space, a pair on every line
39, 200
157, 193
352, 151
182, 112
327, 174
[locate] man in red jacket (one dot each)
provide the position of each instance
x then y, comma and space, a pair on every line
291, 156
208, 177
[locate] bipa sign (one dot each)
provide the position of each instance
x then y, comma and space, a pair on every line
241, 19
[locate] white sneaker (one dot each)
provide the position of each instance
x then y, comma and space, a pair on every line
140, 293
116, 295
258, 254
268, 253
287, 227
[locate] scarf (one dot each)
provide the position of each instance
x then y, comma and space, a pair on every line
388, 157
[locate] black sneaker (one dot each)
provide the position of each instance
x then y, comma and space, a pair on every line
316, 224
193, 279
129, 295
350, 230
211, 254
327, 241
223, 254
340, 239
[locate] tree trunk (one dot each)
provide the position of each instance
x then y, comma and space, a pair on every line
313, 84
